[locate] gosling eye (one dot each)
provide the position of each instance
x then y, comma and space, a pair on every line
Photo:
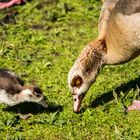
37, 95
30, 96
77, 81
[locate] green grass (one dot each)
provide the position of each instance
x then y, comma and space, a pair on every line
40, 41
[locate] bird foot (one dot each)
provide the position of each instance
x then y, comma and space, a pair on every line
4, 5
25, 117
135, 106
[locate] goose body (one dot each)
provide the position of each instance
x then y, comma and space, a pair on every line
123, 39
13, 91
118, 42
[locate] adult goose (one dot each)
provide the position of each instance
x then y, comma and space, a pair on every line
10, 3
13, 91
118, 42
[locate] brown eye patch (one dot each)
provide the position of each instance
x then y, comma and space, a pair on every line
77, 81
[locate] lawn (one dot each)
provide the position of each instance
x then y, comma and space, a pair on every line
40, 42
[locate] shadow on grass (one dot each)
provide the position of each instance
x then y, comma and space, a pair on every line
33, 108
106, 97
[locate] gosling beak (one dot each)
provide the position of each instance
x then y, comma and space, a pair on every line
77, 102
43, 103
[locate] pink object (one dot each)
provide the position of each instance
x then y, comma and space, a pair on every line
135, 106
77, 102
4, 5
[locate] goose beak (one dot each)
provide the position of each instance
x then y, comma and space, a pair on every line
77, 102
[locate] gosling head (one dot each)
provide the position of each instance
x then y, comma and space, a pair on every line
21, 94
85, 69
31, 93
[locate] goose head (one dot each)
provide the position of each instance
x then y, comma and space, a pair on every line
85, 69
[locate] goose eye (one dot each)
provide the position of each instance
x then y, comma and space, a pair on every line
77, 81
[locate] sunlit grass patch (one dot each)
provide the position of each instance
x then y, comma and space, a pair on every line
40, 41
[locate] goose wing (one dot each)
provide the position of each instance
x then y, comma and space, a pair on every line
111, 7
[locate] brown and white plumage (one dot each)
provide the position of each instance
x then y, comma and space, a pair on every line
118, 42
13, 91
